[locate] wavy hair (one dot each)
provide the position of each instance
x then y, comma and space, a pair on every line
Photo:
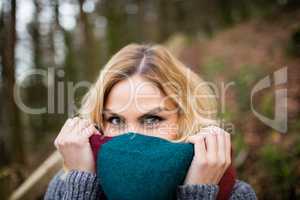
195, 100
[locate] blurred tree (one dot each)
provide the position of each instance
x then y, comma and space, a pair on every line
90, 46
10, 113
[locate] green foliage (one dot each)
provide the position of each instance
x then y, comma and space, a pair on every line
244, 80
280, 169
238, 142
227, 115
213, 67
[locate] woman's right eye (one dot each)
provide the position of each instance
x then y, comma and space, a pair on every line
116, 121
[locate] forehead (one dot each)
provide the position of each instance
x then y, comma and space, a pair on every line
135, 94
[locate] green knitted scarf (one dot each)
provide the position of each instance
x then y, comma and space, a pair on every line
134, 166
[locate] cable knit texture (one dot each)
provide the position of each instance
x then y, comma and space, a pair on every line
79, 185
204, 191
73, 185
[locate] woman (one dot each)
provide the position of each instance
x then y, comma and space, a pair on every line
145, 89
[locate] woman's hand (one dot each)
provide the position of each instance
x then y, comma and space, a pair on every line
212, 157
73, 144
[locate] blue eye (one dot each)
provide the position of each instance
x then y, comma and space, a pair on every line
115, 120
151, 120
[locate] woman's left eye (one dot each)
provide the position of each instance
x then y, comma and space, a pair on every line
152, 120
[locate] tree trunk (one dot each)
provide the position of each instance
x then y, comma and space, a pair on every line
10, 112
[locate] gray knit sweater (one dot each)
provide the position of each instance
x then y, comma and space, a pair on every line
79, 185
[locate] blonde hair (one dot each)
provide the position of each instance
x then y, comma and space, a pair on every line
173, 78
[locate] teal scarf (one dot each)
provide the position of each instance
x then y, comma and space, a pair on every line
133, 166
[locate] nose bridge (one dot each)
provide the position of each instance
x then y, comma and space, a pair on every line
132, 126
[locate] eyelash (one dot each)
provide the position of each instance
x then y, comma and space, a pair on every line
157, 119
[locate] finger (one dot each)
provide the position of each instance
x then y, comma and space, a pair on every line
221, 147
71, 129
73, 123
66, 124
89, 131
67, 130
193, 138
200, 149
62, 132
199, 146
220, 133
63, 129
212, 129
228, 146
83, 123
207, 128
212, 146
87, 122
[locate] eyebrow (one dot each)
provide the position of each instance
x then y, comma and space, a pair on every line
152, 111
